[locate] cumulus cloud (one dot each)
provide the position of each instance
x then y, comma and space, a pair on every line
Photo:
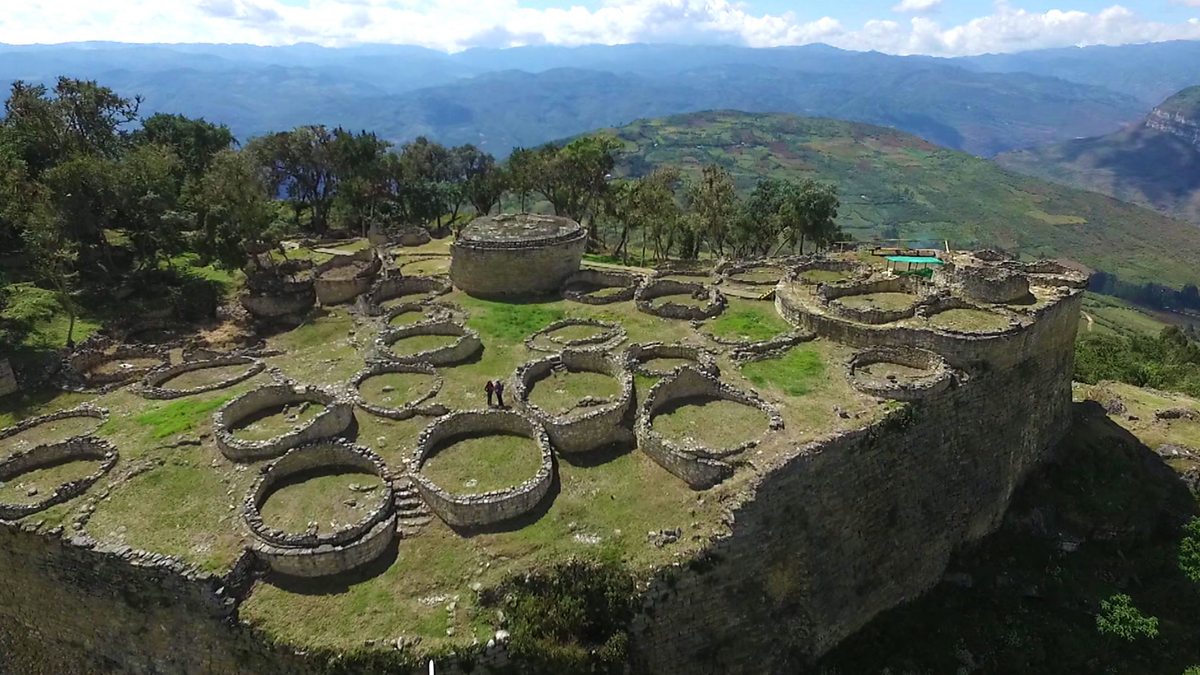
453, 25
919, 6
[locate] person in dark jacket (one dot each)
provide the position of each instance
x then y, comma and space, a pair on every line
489, 388
500, 393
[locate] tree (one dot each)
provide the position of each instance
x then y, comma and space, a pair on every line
523, 168
574, 178
82, 118
147, 194
1120, 619
647, 204
300, 165
194, 141
809, 211
235, 210
485, 182
357, 163
713, 202
53, 256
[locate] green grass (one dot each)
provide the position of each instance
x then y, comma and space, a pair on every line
178, 417
795, 373
44, 480
404, 388
325, 498
414, 344
509, 322
713, 423
204, 377
968, 320
484, 463
275, 421
561, 392
748, 321
1113, 316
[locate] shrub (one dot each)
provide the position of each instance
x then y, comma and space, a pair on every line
1120, 619
1189, 550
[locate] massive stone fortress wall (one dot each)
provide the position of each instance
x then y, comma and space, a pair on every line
846, 527
513, 256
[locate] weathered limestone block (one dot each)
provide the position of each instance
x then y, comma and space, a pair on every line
586, 286
345, 277
934, 378
985, 283
474, 510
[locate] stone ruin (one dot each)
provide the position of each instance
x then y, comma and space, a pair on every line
418, 405
79, 367
609, 336
283, 293
639, 354
464, 348
600, 287
345, 277
152, 384
602, 423
314, 553
79, 448
516, 255
393, 286
698, 466
333, 420
933, 375
714, 300
487, 508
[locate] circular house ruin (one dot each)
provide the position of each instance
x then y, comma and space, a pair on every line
700, 467
85, 411
152, 385
414, 289
336, 417
413, 405
655, 359
592, 423
345, 277
464, 346
899, 373
708, 300
52, 455
313, 553
604, 335
494, 506
600, 287
518, 255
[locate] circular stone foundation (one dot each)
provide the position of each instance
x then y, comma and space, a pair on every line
334, 419
47, 457
699, 466
490, 507
556, 336
409, 313
593, 422
465, 345
970, 320
522, 255
152, 386
312, 553
409, 405
709, 301
403, 289
655, 359
12, 438
600, 287
104, 370
899, 373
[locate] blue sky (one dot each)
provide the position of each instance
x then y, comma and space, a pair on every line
938, 27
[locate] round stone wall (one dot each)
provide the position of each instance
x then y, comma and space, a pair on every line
83, 447
601, 425
521, 255
334, 419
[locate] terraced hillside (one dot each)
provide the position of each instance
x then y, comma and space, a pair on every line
895, 185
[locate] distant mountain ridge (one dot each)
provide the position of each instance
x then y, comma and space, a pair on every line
896, 185
1155, 163
503, 97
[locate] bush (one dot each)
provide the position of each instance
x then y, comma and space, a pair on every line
1189, 550
572, 619
1170, 361
1120, 619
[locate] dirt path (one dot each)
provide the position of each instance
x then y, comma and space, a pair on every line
1090, 320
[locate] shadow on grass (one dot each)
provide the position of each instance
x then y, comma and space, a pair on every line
338, 583
524, 520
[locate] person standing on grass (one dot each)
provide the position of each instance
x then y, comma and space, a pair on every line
489, 388
500, 393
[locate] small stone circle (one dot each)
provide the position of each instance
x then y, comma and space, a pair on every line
937, 375
700, 467
151, 385
611, 335
603, 424
657, 288
311, 554
397, 286
463, 349
409, 408
84, 410
78, 375
584, 286
473, 510
333, 420
832, 295
641, 353
431, 311
80, 447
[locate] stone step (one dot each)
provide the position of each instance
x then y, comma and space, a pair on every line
409, 504
414, 519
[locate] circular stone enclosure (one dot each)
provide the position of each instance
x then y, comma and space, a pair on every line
554, 337
899, 373
152, 384
311, 553
677, 356
401, 287
334, 419
85, 411
48, 456
699, 466
592, 423
101, 369
522, 255
410, 407
486, 508
600, 287
464, 347
709, 301
418, 312
874, 302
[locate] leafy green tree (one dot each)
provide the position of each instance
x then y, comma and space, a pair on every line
523, 168
485, 181
1189, 550
713, 201
1118, 618
809, 211
300, 165
648, 205
54, 256
147, 193
357, 162
574, 178
79, 117
194, 141
236, 216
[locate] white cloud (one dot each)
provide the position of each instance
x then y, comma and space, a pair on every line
920, 6
458, 24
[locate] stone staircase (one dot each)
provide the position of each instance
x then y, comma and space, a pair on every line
411, 512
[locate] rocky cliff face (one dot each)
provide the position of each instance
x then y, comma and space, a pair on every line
1179, 116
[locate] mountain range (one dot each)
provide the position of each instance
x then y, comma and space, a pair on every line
500, 98
900, 186
1155, 163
